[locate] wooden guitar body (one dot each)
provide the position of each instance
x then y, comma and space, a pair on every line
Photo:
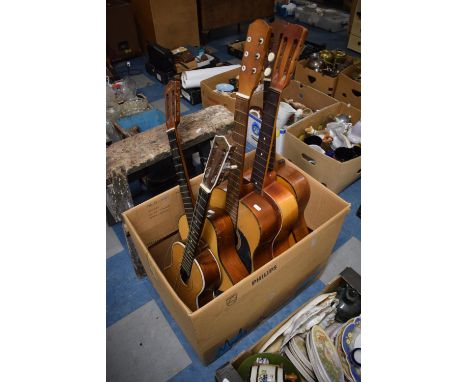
299, 186
286, 204
205, 277
218, 234
260, 223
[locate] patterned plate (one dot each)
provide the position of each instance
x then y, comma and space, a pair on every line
326, 357
352, 332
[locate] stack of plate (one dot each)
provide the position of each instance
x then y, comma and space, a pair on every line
348, 346
323, 356
296, 351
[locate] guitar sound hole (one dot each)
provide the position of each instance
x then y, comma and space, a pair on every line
243, 250
184, 275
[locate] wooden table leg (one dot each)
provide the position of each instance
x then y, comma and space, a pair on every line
204, 149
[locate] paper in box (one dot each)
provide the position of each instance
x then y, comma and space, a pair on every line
212, 329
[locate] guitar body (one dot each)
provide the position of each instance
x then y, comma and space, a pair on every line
286, 204
204, 278
218, 234
260, 223
298, 185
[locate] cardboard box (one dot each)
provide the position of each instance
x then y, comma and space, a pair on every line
212, 97
236, 49
348, 276
307, 95
319, 81
348, 90
331, 173
354, 43
212, 329
310, 97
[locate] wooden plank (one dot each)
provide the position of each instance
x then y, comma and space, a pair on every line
145, 149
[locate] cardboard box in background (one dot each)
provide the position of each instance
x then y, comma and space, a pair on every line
348, 276
308, 96
348, 90
319, 81
211, 329
121, 33
212, 97
331, 173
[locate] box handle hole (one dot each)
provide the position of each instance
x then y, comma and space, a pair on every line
312, 79
308, 159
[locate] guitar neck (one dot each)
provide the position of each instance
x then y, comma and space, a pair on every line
182, 173
241, 116
263, 154
272, 159
196, 228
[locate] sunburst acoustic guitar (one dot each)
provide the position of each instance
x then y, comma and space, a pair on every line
194, 272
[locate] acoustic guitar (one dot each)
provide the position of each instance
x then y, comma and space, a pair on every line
254, 220
227, 196
194, 273
172, 98
218, 232
287, 175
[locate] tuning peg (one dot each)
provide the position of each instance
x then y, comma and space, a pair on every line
271, 57
231, 167
267, 72
257, 56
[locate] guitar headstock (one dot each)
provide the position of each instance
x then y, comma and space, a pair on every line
255, 49
172, 94
291, 41
217, 162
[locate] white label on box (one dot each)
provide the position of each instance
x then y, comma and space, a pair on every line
158, 76
185, 95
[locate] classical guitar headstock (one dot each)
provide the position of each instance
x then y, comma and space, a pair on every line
291, 41
217, 162
255, 49
172, 94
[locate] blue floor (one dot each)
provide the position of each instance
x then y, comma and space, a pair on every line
126, 293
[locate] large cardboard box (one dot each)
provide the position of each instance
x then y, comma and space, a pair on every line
348, 90
212, 97
331, 173
348, 276
212, 329
319, 81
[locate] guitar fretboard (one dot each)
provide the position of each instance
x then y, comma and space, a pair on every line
196, 228
235, 177
182, 174
265, 139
